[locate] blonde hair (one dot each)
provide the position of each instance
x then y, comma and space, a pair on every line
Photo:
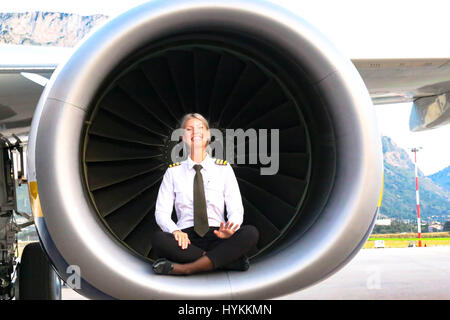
197, 116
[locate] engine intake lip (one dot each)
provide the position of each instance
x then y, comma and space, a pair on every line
313, 252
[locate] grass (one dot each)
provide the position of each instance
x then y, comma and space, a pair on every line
404, 242
407, 239
412, 235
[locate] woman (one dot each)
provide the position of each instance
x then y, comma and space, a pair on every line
200, 186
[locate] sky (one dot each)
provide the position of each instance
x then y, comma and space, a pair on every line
360, 29
393, 121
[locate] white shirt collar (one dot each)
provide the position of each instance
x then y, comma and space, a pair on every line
205, 163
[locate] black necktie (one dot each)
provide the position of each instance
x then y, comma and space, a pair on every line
201, 225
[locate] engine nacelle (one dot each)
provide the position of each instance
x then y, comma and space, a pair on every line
100, 143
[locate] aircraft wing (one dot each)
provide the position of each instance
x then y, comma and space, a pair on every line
18, 99
425, 82
21, 69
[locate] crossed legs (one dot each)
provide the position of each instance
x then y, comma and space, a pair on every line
207, 253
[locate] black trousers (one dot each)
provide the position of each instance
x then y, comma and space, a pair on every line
220, 251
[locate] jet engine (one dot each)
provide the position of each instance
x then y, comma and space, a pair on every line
100, 143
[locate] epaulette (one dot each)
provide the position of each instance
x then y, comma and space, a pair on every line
174, 164
221, 162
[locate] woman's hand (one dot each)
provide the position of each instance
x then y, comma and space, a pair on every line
226, 231
182, 238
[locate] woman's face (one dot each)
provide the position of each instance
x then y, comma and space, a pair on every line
195, 134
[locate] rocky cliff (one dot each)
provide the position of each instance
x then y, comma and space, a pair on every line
46, 28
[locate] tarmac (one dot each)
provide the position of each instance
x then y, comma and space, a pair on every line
377, 274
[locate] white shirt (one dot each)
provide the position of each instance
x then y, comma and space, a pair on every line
221, 188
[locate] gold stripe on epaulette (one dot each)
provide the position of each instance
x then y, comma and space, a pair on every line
174, 164
221, 162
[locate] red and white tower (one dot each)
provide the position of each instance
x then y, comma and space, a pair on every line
419, 231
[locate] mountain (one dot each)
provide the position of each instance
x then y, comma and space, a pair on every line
399, 196
46, 28
442, 178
